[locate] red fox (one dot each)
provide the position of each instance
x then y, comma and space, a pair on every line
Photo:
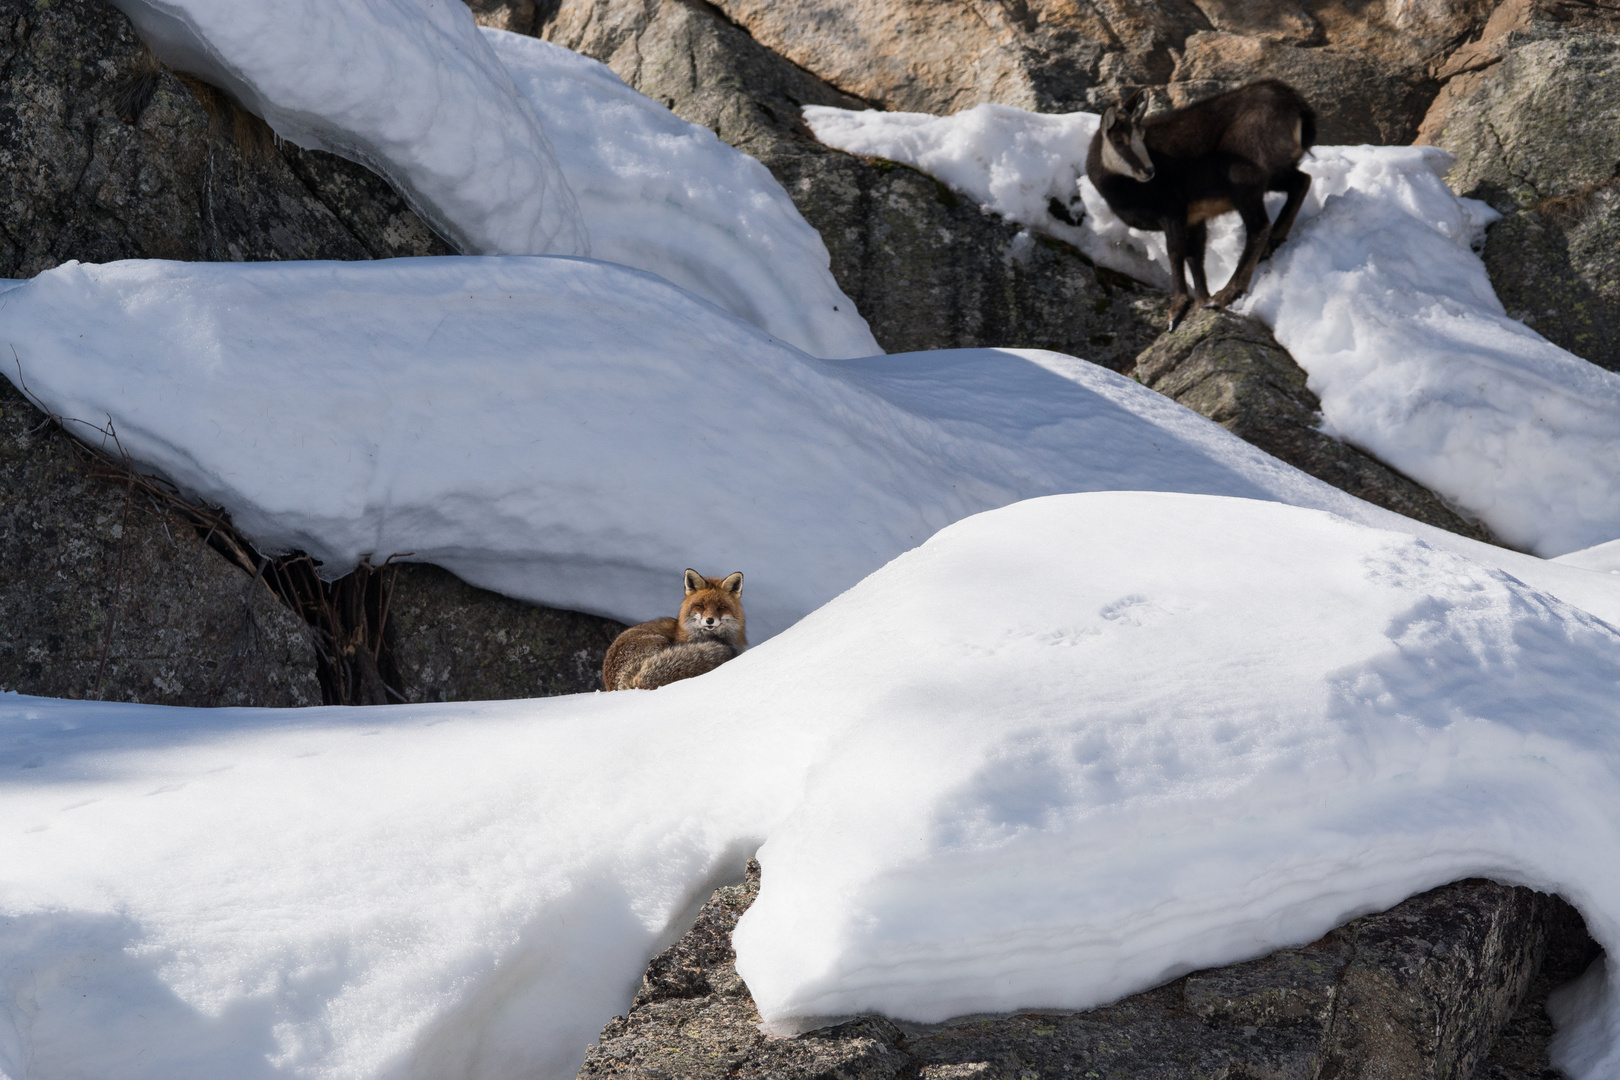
707, 633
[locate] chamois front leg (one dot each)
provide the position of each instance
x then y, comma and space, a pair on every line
1175, 242
1296, 184
1251, 205
1197, 239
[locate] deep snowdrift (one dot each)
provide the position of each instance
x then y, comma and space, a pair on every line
1378, 296
1061, 751
666, 196
575, 433
408, 88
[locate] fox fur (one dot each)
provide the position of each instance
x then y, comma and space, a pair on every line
709, 630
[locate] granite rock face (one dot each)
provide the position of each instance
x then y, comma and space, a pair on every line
1535, 126
1418, 992
1230, 369
107, 594
106, 155
451, 641
926, 268
1368, 69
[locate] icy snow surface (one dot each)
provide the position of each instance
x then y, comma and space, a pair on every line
1060, 752
408, 88
575, 433
1378, 296
663, 195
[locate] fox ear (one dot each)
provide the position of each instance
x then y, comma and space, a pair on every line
733, 584
694, 582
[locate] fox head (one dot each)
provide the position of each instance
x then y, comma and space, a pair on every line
712, 610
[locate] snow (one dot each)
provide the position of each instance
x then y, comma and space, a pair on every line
1057, 753
1378, 295
666, 196
1605, 557
408, 88
410, 406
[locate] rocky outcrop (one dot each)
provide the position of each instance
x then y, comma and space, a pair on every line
452, 642
927, 269
1532, 113
1368, 69
1230, 369
106, 593
1419, 992
105, 155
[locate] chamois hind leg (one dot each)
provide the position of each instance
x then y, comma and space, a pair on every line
1296, 184
1197, 238
1251, 205
1175, 242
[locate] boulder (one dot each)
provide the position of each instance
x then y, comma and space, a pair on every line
450, 641
1230, 369
1418, 992
926, 268
1532, 113
106, 155
111, 594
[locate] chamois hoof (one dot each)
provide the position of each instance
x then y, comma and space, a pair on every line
1223, 298
1179, 306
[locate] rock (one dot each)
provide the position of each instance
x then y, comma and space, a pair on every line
1535, 127
105, 155
106, 594
1230, 369
1358, 97
451, 641
926, 268
1367, 69
1520, 1052
1418, 992
518, 16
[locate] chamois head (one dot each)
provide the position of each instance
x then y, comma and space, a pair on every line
1123, 151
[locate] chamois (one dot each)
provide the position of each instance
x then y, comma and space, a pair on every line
1171, 173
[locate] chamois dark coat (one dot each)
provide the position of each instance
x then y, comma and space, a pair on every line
1172, 172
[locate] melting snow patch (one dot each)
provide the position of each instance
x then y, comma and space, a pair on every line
1378, 296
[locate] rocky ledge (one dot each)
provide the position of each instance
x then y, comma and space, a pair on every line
1420, 991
